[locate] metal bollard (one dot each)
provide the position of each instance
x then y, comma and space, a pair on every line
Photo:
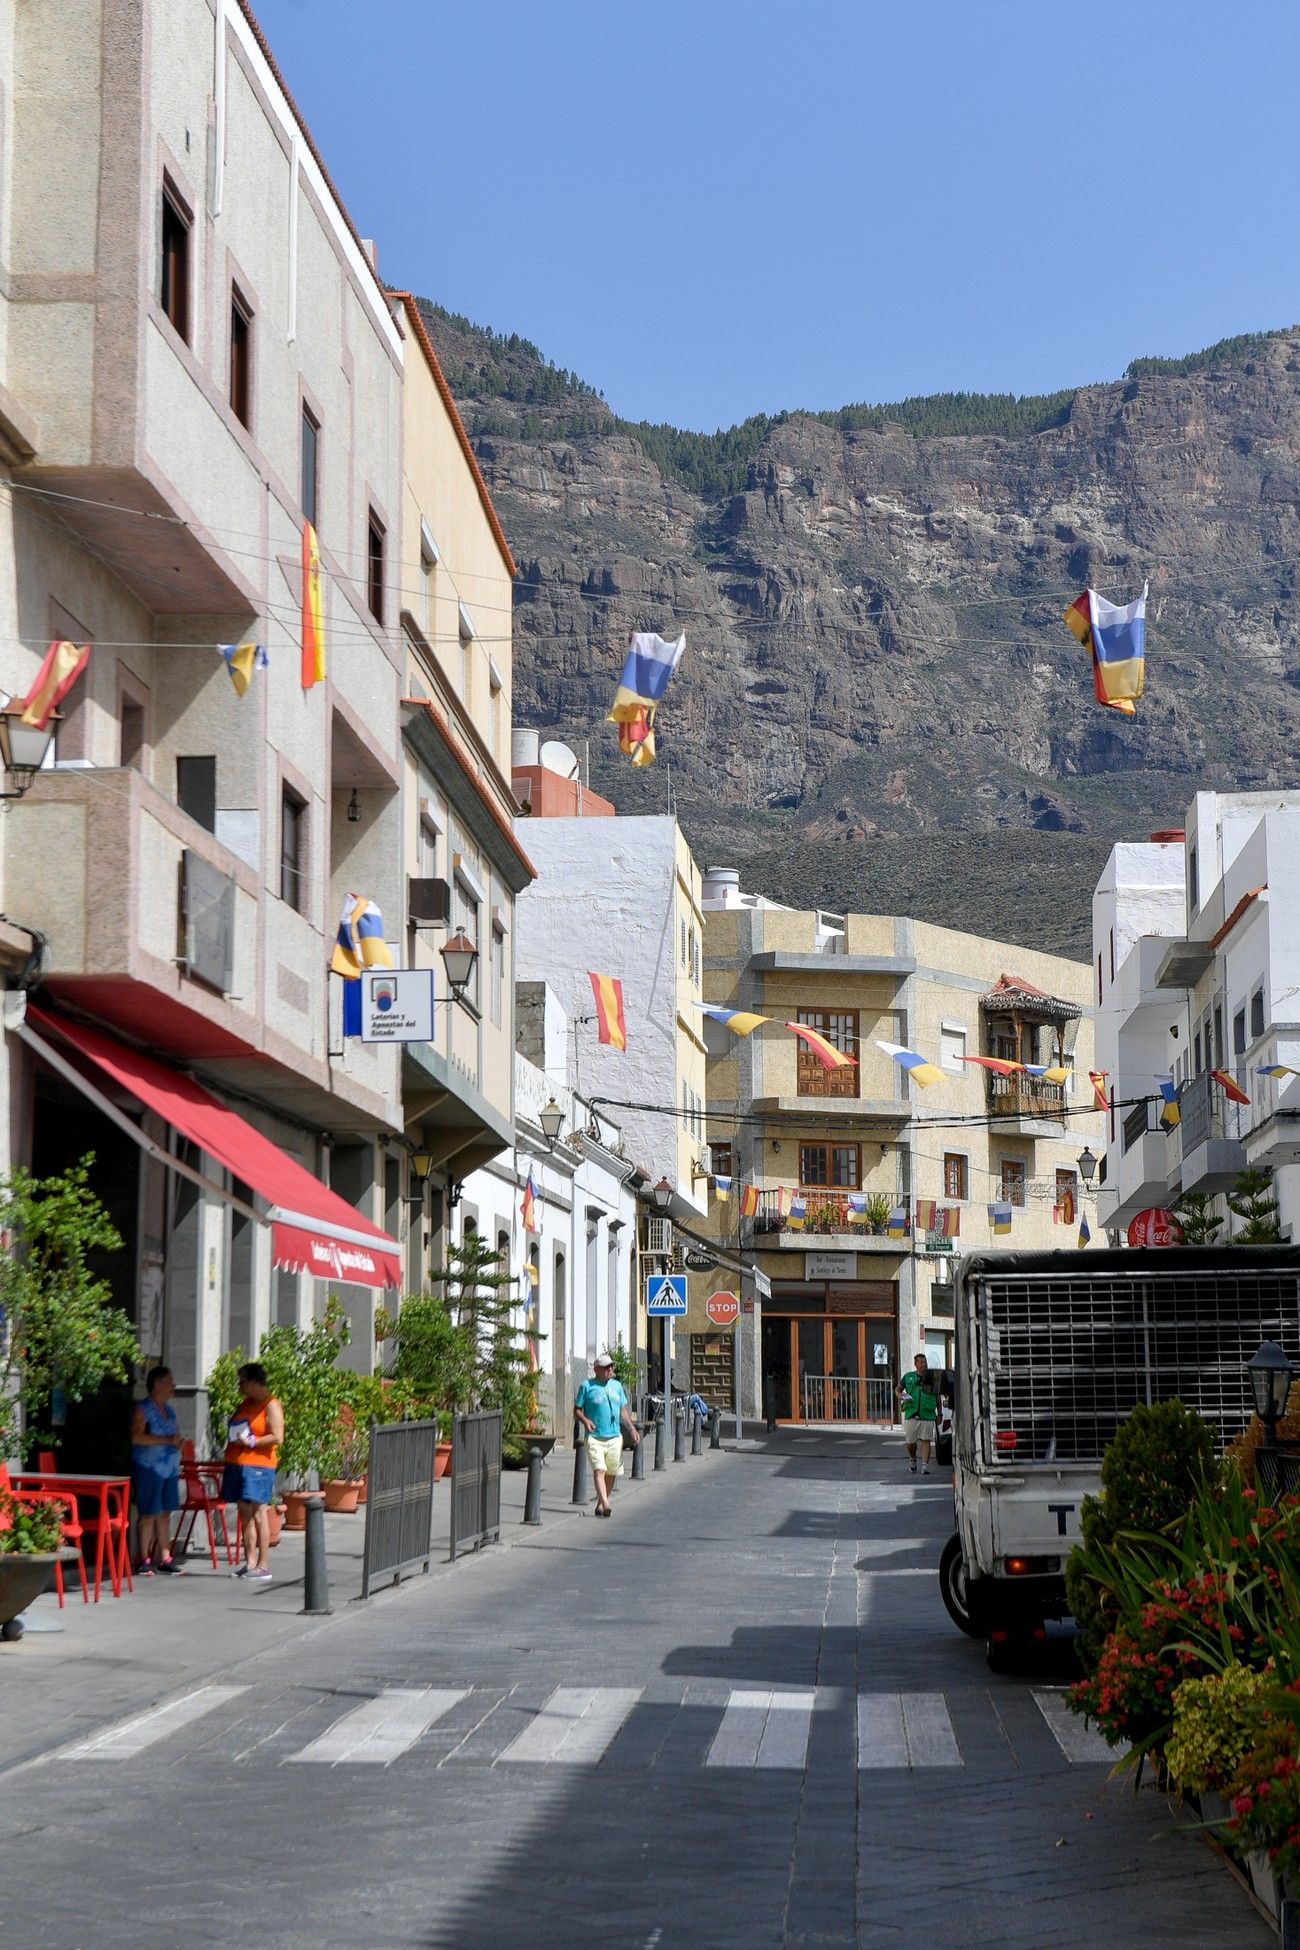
660, 1459
638, 1460
533, 1489
679, 1432
316, 1577
697, 1434
715, 1429
581, 1494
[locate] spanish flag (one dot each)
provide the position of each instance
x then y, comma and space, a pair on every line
528, 1205
608, 991
1231, 1089
313, 620
950, 1226
826, 1053
1063, 1210
749, 1202
1097, 1078
64, 663
927, 1215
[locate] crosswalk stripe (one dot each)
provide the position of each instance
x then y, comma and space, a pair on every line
380, 1729
144, 1729
1076, 1739
906, 1730
763, 1729
574, 1727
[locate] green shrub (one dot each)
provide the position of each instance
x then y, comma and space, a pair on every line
1217, 1724
1150, 1475
31, 1527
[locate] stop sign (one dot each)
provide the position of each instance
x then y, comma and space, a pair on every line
722, 1309
1154, 1227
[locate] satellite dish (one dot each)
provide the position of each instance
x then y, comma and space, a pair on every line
556, 756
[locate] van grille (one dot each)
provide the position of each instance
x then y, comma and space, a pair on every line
1068, 1359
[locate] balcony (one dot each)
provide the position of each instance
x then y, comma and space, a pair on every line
1210, 1133
827, 1219
1137, 1169
1029, 1100
165, 934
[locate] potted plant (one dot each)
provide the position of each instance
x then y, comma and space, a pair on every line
432, 1360
878, 1210
60, 1330
31, 1544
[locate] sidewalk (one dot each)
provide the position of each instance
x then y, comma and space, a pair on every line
87, 1665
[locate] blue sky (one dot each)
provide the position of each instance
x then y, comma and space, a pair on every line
711, 208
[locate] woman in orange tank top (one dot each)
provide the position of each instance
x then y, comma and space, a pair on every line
248, 1479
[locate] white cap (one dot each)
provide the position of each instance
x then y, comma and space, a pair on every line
603, 1360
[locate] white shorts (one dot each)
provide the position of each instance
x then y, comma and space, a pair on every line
605, 1453
915, 1430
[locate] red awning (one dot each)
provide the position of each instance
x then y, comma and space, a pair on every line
313, 1230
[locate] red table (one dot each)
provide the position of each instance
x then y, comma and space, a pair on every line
112, 1496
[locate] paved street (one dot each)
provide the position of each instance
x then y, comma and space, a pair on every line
734, 1715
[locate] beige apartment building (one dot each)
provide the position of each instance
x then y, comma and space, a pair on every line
197, 356
849, 1305
463, 863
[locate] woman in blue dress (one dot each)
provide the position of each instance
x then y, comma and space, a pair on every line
156, 1472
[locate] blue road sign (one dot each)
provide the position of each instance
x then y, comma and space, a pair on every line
665, 1293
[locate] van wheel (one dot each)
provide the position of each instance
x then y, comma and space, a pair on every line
955, 1589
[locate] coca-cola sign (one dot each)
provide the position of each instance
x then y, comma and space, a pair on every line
1154, 1227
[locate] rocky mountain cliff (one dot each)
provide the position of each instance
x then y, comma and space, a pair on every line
872, 604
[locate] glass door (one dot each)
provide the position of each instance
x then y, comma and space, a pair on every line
845, 1370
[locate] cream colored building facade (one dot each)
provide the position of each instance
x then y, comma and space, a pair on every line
463, 864
849, 1305
196, 356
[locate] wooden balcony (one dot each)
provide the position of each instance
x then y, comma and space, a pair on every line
1022, 1096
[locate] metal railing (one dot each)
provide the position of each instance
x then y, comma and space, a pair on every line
825, 1211
475, 1480
1137, 1123
1277, 1472
399, 1501
848, 1398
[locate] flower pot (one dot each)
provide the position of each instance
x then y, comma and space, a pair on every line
441, 1459
275, 1523
295, 1509
23, 1576
342, 1494
1263, 1880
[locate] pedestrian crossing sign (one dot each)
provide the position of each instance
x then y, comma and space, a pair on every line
665, 1293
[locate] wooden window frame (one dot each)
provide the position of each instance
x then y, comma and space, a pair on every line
241, 357
961, 1175
175, 258
1015, 1187
839, 1027
722, 1153
376, 555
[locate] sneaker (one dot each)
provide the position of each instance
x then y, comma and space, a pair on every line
259, 1577
911, 1463
924, 1472
144, 1569
240, 1571
169, 1568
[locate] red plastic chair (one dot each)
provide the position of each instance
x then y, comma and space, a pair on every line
116, 1523
202, 1486
70, 1529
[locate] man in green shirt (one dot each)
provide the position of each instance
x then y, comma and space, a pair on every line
919, 1401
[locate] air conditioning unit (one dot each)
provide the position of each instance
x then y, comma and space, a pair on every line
659, 1237
703, 1166
428, 902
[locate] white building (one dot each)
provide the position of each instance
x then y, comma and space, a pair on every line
583, 1245
622, 897
1218, 993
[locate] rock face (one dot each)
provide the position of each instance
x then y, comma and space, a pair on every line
873, 617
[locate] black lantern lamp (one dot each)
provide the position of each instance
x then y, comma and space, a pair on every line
1271, 1375
1087, 1164
23, 748
551, 1119
662, 1195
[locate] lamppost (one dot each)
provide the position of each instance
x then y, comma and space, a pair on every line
1271, 1375
23, 748
419, 1166
1087, 1165
460, 959
551, 1119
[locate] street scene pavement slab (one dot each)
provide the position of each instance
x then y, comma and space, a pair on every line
736, 1715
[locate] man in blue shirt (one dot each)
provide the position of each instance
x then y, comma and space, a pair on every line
601, 1407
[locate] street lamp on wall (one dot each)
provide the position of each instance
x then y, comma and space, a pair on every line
551, 1119
23, 748
419, 1167
662, 1195
460, 959
1271, 1375
1087, 1164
